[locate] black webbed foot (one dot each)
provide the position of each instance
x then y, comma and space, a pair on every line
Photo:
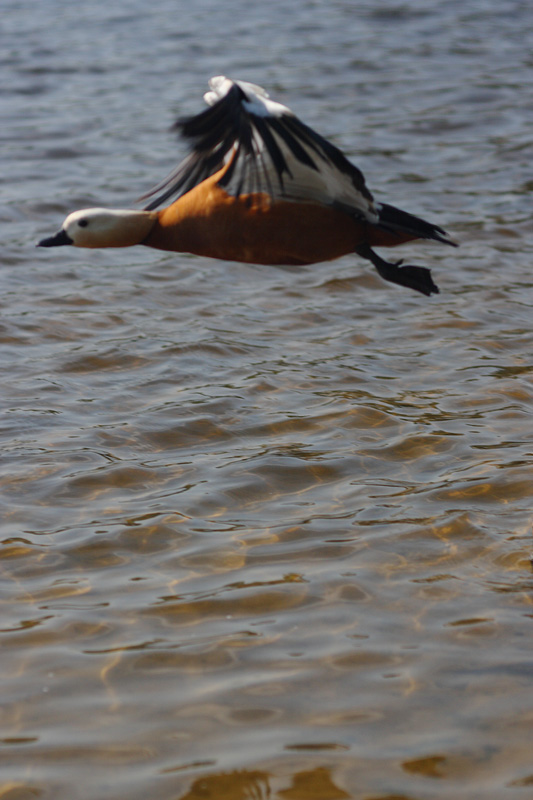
417, 278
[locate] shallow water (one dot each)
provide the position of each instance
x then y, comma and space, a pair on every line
266, 532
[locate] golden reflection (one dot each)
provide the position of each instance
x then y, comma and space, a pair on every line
527, 780
313, 784
16, 547
430, 766
237, 785
19, 791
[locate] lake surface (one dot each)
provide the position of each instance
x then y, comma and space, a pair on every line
266, 533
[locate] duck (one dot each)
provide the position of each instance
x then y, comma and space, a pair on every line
259, 186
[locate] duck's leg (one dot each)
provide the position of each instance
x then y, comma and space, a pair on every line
417, 278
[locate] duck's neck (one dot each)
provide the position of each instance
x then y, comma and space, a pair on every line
132, 227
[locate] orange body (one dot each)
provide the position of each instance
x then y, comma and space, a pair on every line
252, 228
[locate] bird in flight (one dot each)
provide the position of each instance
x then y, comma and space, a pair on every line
261, 187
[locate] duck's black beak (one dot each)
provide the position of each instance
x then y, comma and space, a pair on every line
55, 241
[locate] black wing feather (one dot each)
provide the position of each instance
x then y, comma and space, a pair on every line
259, 149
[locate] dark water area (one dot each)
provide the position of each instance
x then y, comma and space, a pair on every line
266, 533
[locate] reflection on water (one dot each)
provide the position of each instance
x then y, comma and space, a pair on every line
241, 785
266, 532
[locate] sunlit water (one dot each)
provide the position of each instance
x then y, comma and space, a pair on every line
266, 532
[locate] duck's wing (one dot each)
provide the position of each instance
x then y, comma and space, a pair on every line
266, 149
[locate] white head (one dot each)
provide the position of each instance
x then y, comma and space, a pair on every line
102, 227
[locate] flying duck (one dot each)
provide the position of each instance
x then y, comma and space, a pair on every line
261, 187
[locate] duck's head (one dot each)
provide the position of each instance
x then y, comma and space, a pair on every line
102, 227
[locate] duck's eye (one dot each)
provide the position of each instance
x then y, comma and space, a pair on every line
83, 223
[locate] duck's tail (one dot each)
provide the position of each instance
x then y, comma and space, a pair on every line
397, 221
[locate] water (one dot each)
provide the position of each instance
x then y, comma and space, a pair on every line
266, 532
